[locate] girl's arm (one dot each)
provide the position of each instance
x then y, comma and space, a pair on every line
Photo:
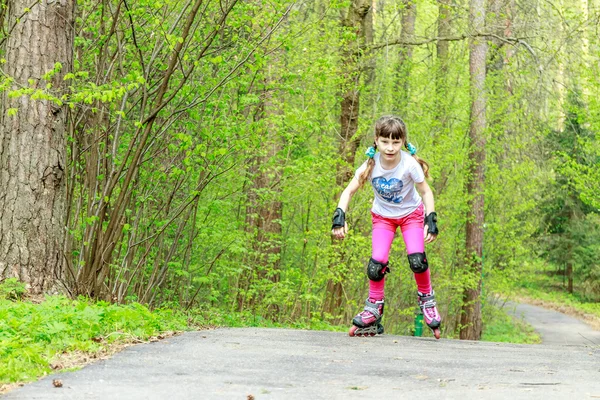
427, 195
347, 194
345, 198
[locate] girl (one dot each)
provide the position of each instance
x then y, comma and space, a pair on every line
394, 174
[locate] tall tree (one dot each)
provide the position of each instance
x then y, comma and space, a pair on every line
354, 23
471, 324
441, 83
407, 32
265, 207
569, 233
33, 124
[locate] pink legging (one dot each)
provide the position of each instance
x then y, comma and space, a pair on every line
382, 243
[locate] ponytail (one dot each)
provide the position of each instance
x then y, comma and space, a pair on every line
366, 173
424, 165
413, 151
370, 165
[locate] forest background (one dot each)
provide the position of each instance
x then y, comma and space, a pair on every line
190, 154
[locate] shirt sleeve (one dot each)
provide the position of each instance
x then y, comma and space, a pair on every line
360, 170
416, 172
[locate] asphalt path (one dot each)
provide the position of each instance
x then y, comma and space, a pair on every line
252, 363
555, 327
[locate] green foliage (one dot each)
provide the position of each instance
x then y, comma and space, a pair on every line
572, 232
12, 289
500, 327
230, 201
546, 282
217, 317
32, 335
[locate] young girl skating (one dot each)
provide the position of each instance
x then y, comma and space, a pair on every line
394, 174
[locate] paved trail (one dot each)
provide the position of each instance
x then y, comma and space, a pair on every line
295, 364
554, 327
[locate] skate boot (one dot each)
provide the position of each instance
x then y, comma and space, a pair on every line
368, 321
430, 312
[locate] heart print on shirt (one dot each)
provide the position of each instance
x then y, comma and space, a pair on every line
389, 190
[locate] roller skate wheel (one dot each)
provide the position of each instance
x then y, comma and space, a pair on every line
436, 333
352, 331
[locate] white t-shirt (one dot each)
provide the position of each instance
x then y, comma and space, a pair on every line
395, 193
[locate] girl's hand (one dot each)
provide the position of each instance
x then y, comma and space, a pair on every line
340, 233
429, 237
430, 230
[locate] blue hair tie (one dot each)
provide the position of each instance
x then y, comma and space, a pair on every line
370, 152
412, 149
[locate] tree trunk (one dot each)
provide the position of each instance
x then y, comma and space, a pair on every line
510, 51
33, 144
569, 267
444, 24
442, 47
368, 36
354, 21
409, 16
441, 86
570, 276
471, 325
265, 208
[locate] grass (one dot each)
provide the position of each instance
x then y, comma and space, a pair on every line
500, 327
56, 333
38, 337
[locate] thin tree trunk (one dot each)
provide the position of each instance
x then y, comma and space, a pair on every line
409, 16
442, 47
33, 145
441, 85
444, 25
353, 21
570, 276
265, 208
350, 104
369, 32
471, 325
510, 51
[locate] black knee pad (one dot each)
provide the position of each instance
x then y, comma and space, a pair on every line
418, 262
377, 270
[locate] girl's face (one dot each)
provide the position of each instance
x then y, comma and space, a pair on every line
389, 148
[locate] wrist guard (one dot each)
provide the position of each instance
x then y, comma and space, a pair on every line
431, 223
339, 218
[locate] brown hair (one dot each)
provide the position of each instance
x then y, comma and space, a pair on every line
390, 127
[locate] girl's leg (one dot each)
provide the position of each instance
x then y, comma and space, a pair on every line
382, 243
415, 243
368, 321
412, 233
